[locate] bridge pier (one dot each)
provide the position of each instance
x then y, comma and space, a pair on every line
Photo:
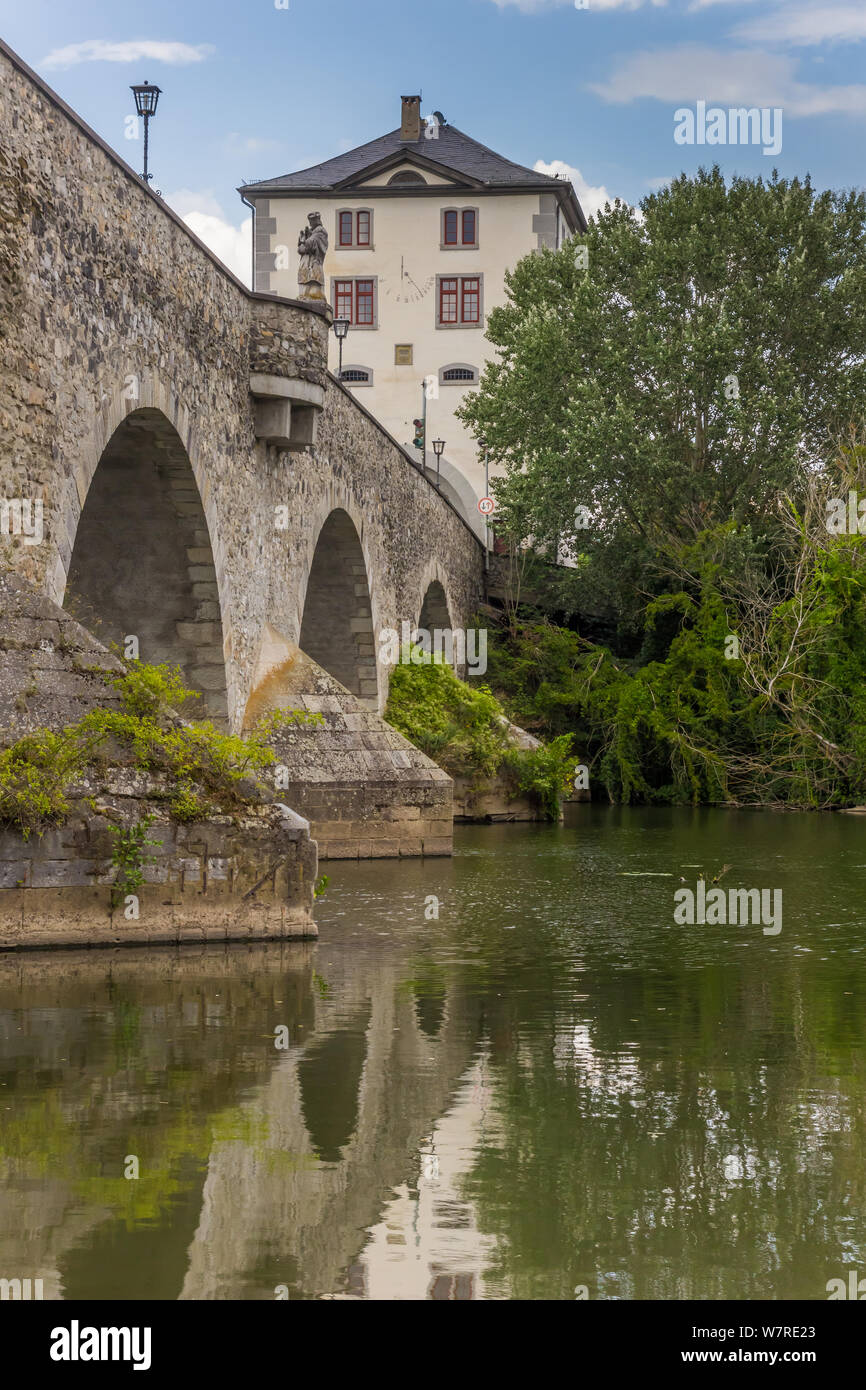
367, 792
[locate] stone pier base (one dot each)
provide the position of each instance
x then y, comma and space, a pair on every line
390, 820
226, 879
366, 790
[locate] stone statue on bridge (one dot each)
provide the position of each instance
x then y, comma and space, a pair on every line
312, 245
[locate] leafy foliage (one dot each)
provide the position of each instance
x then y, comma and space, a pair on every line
781, 722
454, 724
34, 775
206, 768
129, 857
542, 774
681, 381
668, 408
464, 730
147, 691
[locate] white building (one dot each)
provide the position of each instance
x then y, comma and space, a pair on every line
422, 224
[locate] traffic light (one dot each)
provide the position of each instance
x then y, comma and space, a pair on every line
418, 441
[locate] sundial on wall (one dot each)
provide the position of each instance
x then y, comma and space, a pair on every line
406, 288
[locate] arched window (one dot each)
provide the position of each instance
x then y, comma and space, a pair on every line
458, 374
406, 176
357, 376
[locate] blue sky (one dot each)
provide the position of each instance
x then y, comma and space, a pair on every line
252, 90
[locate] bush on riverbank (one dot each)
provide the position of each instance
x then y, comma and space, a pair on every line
756, 693
463, 728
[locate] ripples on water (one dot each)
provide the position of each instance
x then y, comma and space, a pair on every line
551, 1087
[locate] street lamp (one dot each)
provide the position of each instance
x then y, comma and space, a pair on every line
341, 328
482, 442
439, 450
146, 98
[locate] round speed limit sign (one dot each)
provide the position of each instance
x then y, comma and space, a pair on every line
486, 505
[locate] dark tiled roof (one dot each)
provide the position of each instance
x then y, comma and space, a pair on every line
452, 149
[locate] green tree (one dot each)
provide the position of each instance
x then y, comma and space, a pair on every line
686, 376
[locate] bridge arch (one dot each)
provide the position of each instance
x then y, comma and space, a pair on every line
337, 626
141, 559
434, 610
434, 605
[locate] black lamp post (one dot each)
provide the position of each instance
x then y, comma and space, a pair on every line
341, 328
439, 450
482, 443
146, 98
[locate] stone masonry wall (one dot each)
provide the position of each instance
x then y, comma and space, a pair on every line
109, 305
224, 879
367, 792
157, 582
250, 875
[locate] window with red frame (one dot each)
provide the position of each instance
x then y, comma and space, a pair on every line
448, 301
354, 229
460, 228
471, 300
344, 300
460, 299
364, 302
355, 300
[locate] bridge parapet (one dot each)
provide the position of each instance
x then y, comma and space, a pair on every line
288, 365
289, 339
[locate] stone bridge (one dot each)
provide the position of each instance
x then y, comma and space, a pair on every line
176, 463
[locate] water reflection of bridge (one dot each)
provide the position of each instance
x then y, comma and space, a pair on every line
333, 1168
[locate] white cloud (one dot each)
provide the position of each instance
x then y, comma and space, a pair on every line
707, 4
656, 184
236, 143
537, 6
745, 77
232, 244
812, 25
187, 200
129, 51
592, 198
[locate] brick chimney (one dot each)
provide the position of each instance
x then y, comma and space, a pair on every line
410, 123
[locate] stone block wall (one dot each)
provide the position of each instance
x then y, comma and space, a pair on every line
240, 877
52, 670
378, 821
367, 792
224, 879
293, 345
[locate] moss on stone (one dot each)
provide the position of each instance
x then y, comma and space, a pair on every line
206, 771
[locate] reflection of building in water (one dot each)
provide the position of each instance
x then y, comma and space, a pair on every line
343, 1118
260, 1167
428, 1244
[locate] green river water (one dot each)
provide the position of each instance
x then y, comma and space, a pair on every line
552, 1089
